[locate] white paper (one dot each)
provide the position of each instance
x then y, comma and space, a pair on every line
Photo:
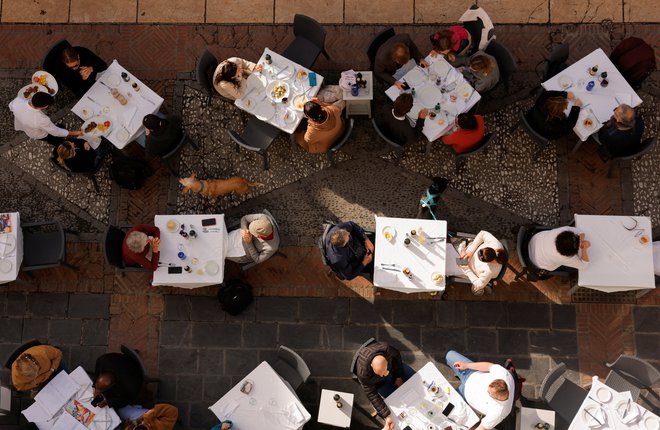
68, 422
57, 393
393, 92
80, 376
36, 413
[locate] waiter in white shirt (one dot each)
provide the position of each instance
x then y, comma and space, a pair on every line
488, 388
30, 118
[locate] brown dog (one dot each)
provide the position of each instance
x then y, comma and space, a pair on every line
217, 187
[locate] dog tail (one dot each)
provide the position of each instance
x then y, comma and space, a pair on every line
254, 184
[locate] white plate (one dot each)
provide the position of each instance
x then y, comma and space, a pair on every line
123, 135
9, 242
256, 80
298, 102
414, 77
603, 394
586, 124
113, 81
40, 88
6, 266
264, 111
86, 112
633, 411
172, 225
440, 68
289, 116
651, 423
390, 230
565, 81
271, 87
212, 268
96, 131
50, 81
596, 411
429, 98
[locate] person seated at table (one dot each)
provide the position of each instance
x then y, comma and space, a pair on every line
485, 255
564, 246
488, 388
81, 67
622, 134
481, 70
394, 123
471, 131
142, 247
161, 135
395, 58
35, 367
324, 127
259, 239
162, 416
118, 380
349, 251
547, 117
30, 118
381, 371
77, 155
451, 42
230, 77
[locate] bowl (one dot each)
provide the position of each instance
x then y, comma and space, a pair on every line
172, 225
437, 278
277, 90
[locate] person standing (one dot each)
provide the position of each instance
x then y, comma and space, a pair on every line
30, 118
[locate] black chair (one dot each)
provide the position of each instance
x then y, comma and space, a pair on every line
533, 273
44, 246
167, 158
348, 129
134, 355
376, 43
291, 367
256, 137
506, 62
631, 374
52, 61
309, 41
326, 228
91, 174
479, 28
273, 221
452, 280
20, 350
398, 147
206, 65
112, 248
459, 159
540, 140
563, 396
556, 62
353, 368
646, 146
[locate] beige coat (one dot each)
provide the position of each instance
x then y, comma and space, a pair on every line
320, 137
227, 89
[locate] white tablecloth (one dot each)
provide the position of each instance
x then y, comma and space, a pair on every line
208, 246
271, 404
413, 404
13, 257
99, 100
617, 259
611, 411
285, 70
443, 123
422, 259
48, 410
601, 101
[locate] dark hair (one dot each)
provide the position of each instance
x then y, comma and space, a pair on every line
315, 112
567, 243
441, 40
69, 55
403, 104
554, 107
154, 123
400, 53
42, 100
228, 73
467, 121
489, 254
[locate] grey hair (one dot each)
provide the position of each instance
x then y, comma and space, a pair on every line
628, 115
136, 241
339, 237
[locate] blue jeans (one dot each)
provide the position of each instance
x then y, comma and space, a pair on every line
387, 387
451, 358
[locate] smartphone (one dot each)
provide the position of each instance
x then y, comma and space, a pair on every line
462, 261
448, 409
405, 86
208, 221
174, 270
312, 79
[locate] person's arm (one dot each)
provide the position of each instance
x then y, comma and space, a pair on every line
376, 400
249, 65
354, 229
572, 118
258, 257
480, 366
481, 237
49, 127
230, 90
95, 61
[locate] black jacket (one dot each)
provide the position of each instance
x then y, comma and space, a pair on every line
537, 117
400, 131
347, 260
384, 66
369, 380
128, 378
620, 143
72, 78
83, 160
161, 142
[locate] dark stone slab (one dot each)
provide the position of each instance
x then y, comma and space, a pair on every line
211, 361
441, 340
327, 310
215, 387
95, 332
554, 343
277, 309
65, 332
176, 308
89, 306
167, 389
177, 360
512, 342
402, 338
328, 363
417, 312
647, 346
354, 336
16, 304
35, 328
205, 308
189, 387
450, 314
485, 314
563, 317
363, 312
201, 415
527, 315
481, 340
176, 333
47, 305
331, 337
240, 361
299, 336
216, 334
646, 319
85, 356
184, 413
269, 355
259, 335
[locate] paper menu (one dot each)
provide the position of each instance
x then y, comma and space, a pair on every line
57, 393
67, 422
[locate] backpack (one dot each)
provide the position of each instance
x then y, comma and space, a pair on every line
635, 59
235, 296
130, 173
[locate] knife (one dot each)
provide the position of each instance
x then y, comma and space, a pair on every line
105, 85
391, 269
592, 416
627, 408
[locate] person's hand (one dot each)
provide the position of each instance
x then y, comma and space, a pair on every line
570, 95
225, 426
399, 85
389, 423
259, 68
433, 53
450, 57
423, 63
85, 71
247, 236
76, 133
155, 244
146, 132
423, 113
398, 382
369, 245
460, 365
86, 146
314, 99
584, 244
578, 103
367, 259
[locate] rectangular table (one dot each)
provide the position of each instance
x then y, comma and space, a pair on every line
413, 404
608, 406
261, 103
601, 101
126, 119
271, 404
618, 261
204, 254
360, 104
332, 415
423, 259
454, 94
11, 248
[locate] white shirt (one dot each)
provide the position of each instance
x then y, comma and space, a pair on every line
476, 394
543, 251
33, 122
235, 244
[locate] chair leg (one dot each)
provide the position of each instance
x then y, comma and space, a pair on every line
170, 168
92, 177
331, 157
265, 155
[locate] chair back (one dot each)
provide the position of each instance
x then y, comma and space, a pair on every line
133, 355
43, 247
52, 61
206, 65
357, 355
528, 127
636, 368
310, 29
20, 350
326, 228
506, 62
562, 395
556, 62
348, 128
483, 145
112, 246
477, 22
291, 367
500, 275
522, 244
175, 150
376, 43
645, 147
257, 135
396, 145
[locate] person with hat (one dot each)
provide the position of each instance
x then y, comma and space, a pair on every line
260, 240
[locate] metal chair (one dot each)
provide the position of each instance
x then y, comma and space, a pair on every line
291, 367
206, 64
52, 61
646, 146
398, 147
459, 159
525, 234
167, 158
256, 137
481, 29
91, 174
112, 248
348, 129
631, 374
506, 62
376, 43
273, 221
556, 62
562, 395
356, 355
20, 350
44, 246
309, 41
134, 355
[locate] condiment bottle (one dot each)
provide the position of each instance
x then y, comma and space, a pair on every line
118, 96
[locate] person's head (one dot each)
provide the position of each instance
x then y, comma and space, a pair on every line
482, 64
136, 241
339, 237
104, 381
261, 228
624, 116
567, 243
65, 150
27, 366
498, 390
403, 104
438, 186
400, 53
441, 41
153, 122
229, 72
467, 121
41, 100
71, 58
555, 107
314, 112
488, 254
379, 366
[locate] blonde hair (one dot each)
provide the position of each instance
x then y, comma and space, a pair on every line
400, 53
482, 64
65, 151
27, 366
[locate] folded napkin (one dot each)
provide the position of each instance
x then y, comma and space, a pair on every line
632, 415
597, 420
294, 414
229, 408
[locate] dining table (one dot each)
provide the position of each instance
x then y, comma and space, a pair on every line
11, 246
443, 90
410, 254
277, 94
421, 402
124, 111
620, 255
262, 400
600, 101
607, 409
192, 250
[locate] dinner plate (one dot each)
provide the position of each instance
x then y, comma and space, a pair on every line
651, 423
603, 395
264, 111
172, 225
289, 116
565, 81
86, 112
96, 131
597, 412
256, 80
391, 230
277, 90
123, 135
631, 415
9, 242
43, 76
113, 81
35, 88
298, 102
6, 266
414, 77
440, 68
212, 268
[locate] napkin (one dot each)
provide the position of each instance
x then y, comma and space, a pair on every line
229, 408
632, 415
294, 414
348, 78
599, 421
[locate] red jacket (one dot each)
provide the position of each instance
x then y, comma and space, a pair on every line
466, 140
139, 259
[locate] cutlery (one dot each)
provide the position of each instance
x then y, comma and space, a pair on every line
586, 106
627, 408
391, 269
592, 416
595, 400
388, 264
92, 100
283, 70
105, 85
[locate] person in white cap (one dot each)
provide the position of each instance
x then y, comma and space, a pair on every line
259, 238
